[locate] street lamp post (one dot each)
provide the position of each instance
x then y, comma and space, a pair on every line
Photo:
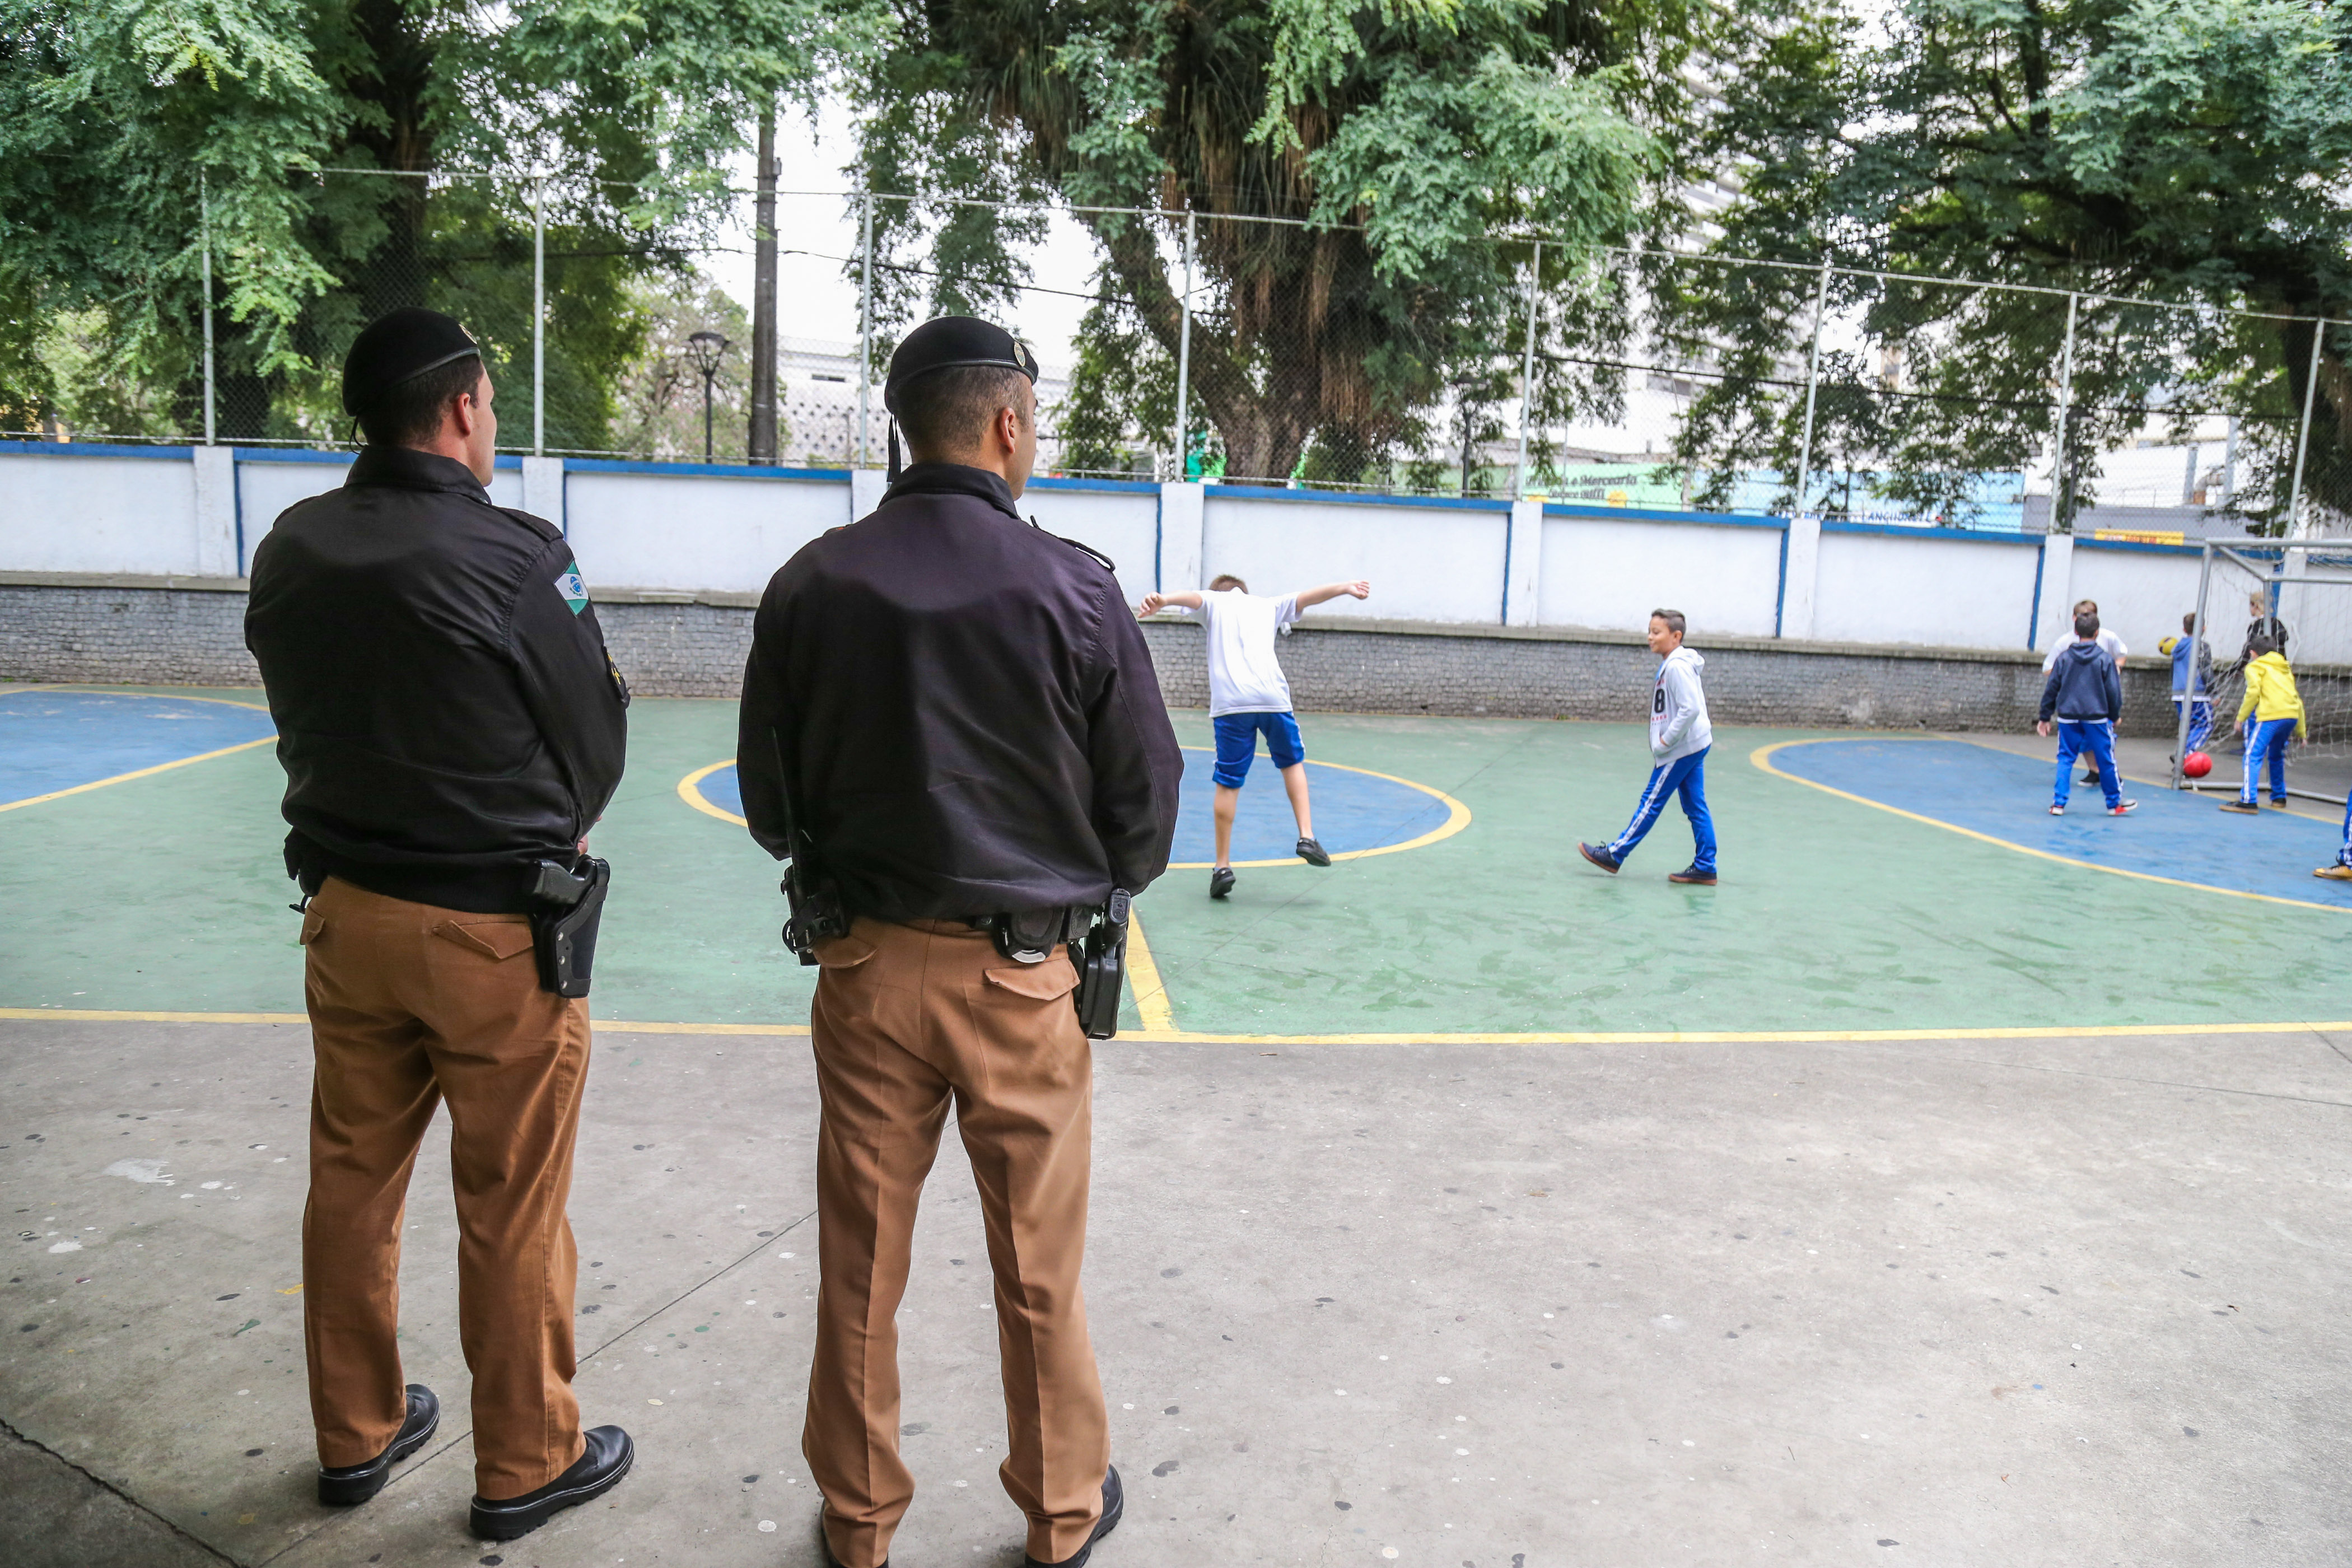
704, 348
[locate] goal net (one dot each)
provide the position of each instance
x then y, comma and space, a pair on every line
2303, 587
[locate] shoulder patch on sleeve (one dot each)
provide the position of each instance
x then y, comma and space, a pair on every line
574, 590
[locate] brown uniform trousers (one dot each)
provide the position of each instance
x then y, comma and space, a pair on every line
907, 1019
410, 1005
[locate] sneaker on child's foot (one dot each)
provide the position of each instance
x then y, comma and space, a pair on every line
2338, 873
1600, 857
2059, 809
2276, 804
2244, 807
1314, 854
2123, 808
1221, 881
1694, 876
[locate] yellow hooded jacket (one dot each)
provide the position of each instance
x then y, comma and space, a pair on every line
2270, 691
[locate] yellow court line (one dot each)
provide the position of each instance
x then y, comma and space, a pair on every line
1457, 818
1762, 757
1189, 1037
138, 774
1151, 1002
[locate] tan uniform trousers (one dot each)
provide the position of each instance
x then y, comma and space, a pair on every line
410, 1005
906, 1020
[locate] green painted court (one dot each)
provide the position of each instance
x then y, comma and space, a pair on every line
1869, 884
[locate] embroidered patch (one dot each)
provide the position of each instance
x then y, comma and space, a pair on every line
574, 590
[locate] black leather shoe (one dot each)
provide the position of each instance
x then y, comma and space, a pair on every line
1314, 854
598, 1471
1113, 1505
1221, 881
355, 1484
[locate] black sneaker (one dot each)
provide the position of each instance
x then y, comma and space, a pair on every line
1600, 857
1694, 876
1113, 1505
355, 1484
598, 1471
1314, 854
2246, 806
1221, 881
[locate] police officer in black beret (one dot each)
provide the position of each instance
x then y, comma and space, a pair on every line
450, 726
950, 722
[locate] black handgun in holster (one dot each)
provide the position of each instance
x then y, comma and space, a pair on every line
816, 911
1102, 959
567, 903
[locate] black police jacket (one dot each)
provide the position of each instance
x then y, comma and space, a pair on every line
965, 710
446, 713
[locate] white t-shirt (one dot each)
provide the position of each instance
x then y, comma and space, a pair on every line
1243, 675
2105, 639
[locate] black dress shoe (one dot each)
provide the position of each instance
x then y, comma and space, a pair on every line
1113, 1505
1221, 881
353, 1484
599, 1468
1314, 854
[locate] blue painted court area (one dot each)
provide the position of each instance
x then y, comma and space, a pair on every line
1354, 811
52, 741
2003, 795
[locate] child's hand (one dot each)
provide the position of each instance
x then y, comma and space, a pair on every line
1357, 590
1153, 604
2042, 728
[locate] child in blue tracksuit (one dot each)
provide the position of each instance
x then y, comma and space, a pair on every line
2085, 696
2196, 688
1679, 738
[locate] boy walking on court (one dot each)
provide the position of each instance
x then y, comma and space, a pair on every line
1249, 697
1679, 738
2277, 709
2086, 697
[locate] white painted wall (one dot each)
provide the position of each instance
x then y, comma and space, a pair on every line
2142, 595
694, 532
99, 514
1916, 587
1121, 524
267, 485
1426, 563
1611, 572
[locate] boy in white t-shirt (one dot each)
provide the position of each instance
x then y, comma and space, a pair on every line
1249, 697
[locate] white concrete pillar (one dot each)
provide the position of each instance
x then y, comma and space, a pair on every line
2053, 619
866, 488
217, 512
1800, 558
1184, 529
542, 490
1523, 564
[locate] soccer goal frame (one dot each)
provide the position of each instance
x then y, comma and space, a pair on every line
2288, 573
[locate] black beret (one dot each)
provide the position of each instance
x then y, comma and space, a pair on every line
397, 347
947, 341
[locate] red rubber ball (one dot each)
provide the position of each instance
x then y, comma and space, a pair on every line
2196, 764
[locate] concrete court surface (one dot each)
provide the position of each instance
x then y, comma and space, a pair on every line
1976, 1301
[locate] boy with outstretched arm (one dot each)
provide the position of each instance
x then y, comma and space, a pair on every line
2085, 696
2276, 707
1679, 738
1249, 697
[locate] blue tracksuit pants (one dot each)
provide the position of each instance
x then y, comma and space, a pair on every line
2095, 736
2267, 741
1686, 777
2200, 723
2344, 856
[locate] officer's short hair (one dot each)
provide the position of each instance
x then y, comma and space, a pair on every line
409, 414
946, 410
1673, 619
1225, 580
2086, 623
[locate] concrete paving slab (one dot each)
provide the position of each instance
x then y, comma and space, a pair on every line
1949, 1302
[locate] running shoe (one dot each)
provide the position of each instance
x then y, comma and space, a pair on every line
1600, 857
2124, 808
2334, 873
1221, 881
1314, 854
1693, 876
2242, 808
2058, 811
2276, 804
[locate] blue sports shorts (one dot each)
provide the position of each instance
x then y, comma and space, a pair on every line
1237, 736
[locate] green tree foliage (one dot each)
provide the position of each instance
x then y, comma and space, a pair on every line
1395, 141
2189, 151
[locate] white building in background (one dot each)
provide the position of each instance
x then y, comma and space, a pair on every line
816, 383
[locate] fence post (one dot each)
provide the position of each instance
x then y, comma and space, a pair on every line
1527, 378
2059, 512
538, 315
1812, 387
865, 322
2303, 432
1184, 356
204, 227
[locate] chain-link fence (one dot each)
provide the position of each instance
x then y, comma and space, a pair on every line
1247, 349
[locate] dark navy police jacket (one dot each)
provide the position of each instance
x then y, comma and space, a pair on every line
446, 711
2082, 686
965, 708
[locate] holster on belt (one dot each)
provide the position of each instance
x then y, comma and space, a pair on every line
567, 904
1102, 968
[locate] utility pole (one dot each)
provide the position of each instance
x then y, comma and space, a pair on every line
2303, 432
538, 315
2059, 512
1528, 371
1184, 358
762, 445
205, 220
865, 325
1813, 387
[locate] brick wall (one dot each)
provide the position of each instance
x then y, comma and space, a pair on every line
152, 632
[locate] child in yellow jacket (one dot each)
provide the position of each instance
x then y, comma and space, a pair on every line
2277, 710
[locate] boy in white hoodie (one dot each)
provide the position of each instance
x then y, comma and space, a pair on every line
1679, 738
